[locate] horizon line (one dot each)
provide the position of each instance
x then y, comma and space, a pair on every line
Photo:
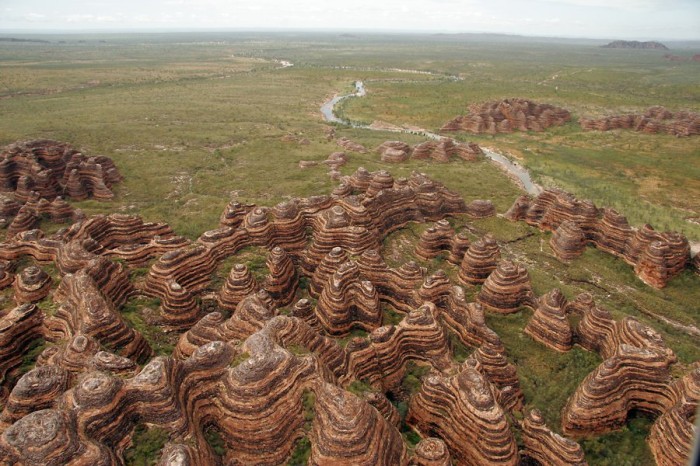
167, 30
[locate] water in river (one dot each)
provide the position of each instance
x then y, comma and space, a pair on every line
519, 172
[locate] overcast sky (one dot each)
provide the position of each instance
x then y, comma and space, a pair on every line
610, 19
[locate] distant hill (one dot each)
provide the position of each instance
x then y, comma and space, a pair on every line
635, 44
14, 39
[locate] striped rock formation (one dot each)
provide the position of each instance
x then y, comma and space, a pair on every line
656, 257
51, 168
394, 151
481, 209
458, 247
632, 378
347, 431
549, 325
434, 240
506, 289
508, 115
654, 120
282, 282
431, 451
546, 447
351, 146
346, 302
463, 412
479, 261
239, 284
395, 286
19, 327
673, 435
31, 285
568, 241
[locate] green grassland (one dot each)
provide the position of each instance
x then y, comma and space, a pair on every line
194, 120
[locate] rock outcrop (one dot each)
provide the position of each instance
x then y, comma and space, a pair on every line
634, 44
480, 259
506, 289
547, 447
653, 120
656, 257
463, 412
549, 325
508, 115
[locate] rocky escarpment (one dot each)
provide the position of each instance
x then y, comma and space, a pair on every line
656, 257
442, 150
36, 175
508, 115
654, 120
634, 44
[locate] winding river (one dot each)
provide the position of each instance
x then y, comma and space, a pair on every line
513, 169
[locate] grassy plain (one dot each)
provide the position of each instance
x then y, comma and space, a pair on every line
195, 120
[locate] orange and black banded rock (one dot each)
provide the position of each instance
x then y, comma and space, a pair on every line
446, 148
259, 408
178, 309
115, 230
518, 211
434, 240
479, 261
50, 437
568, 241
74, 356
382, 404
656, 257
7, 278
333, 228
463, 412
347, 431
549, 325
234, 213
466, 320
31, 285
481, 209
395, 286
490, 360
325, 269
696, 263
26, 219
251, 315
282, 281
351, 146
436, 288
381, 180
505, 116
633, 378
84, 309
19, 327
549, 448
418, 337
431, 451
394, 151
655, 119
458, 247
659, 262
239, 284
140, 254
50, 168
673, 434
37, 389
506, 289
613, 233
347, 302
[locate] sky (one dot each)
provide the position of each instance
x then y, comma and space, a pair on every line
604, 19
